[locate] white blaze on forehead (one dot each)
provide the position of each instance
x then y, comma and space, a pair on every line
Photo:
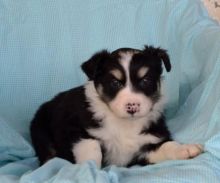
142, 72
125, 61
117, 74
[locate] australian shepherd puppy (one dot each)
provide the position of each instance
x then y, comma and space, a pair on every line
115, 118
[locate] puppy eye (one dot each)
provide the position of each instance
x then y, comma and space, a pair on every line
146, 81
116, 83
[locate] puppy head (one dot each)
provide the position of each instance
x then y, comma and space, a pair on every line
128, 80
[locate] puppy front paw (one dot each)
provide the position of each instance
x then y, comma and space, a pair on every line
186, 151
172, 150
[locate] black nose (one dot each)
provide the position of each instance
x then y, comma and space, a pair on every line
132, 108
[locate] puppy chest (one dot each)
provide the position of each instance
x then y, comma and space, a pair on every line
120, 149
121, 141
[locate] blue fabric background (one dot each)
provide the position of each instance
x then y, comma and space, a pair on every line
42, 45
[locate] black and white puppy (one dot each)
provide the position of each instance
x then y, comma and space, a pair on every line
115, 118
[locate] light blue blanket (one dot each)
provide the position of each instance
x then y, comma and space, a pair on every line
43, 43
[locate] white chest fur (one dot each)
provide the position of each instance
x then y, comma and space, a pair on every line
121, 139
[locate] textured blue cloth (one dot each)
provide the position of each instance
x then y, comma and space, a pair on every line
43, 43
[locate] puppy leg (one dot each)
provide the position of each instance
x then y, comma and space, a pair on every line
172, 150
87, 149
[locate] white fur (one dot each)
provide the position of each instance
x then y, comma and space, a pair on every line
125, 96
121, 136
87, 149
125, 61
174, 151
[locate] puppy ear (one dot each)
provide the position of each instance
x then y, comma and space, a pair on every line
165, 58
90, 67
161, 53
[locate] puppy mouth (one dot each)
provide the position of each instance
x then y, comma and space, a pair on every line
130, 116
136, 116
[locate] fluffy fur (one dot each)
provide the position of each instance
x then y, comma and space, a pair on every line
115, 118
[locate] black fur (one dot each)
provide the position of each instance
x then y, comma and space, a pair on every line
60, 123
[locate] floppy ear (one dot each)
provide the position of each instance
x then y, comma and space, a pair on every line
165, 58
90, 67
161, 53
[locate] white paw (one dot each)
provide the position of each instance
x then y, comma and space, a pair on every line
187, 151
172, 150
